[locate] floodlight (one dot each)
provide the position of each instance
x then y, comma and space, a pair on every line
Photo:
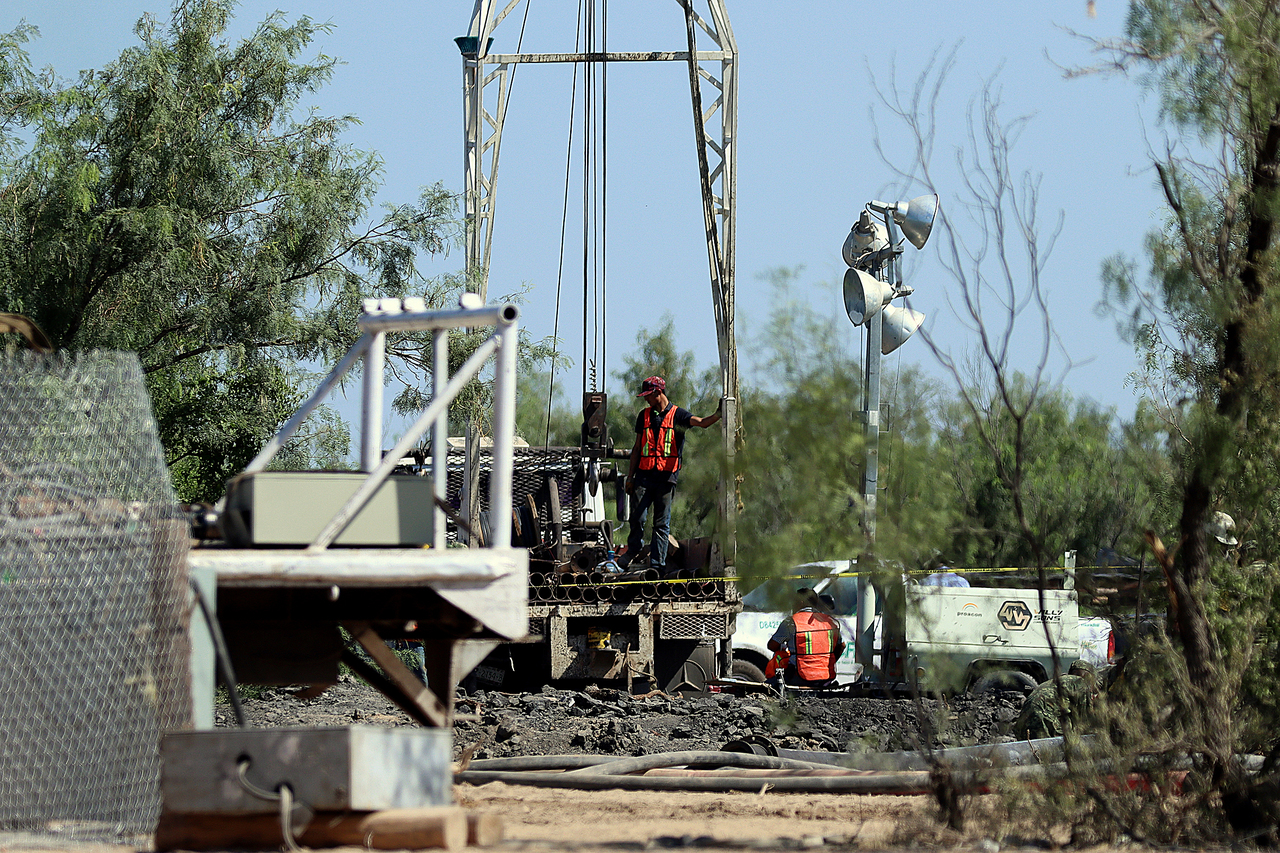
867, 237
897, 325
914, 217
864, 296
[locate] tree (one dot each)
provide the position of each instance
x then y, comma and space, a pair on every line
1085, 484
544, 415
801, 470
1206, 320
183, 203
995, 254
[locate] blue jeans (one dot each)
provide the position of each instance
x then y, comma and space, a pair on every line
658, 496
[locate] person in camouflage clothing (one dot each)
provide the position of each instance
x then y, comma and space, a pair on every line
1059, 703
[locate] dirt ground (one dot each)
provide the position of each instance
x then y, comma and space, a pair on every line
596, 721
537, 818
610, 722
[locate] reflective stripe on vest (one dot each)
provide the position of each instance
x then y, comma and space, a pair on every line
815, 646
777, 663
658, 451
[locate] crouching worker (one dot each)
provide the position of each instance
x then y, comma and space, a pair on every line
1059, 704
807, 644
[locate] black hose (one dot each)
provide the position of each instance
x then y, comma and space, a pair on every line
1015, 753
891, 783
867, 782
542, 762
702, 758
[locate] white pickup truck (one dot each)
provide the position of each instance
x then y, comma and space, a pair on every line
949, 639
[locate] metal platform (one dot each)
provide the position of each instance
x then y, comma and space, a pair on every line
280, 612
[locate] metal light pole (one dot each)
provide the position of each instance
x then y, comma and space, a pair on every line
873, 252
874, 279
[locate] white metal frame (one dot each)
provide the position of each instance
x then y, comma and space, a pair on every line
410, 315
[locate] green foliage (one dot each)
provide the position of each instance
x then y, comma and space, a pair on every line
184, 203
1205, 320
551, 423
1084, 485
801, 461
1089, 479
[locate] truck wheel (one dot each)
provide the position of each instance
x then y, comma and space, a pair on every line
1003, 679
747, 671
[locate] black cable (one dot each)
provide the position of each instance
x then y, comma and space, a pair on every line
587, 93
604, 193
564, 218
222, 657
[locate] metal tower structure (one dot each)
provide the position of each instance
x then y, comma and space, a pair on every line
486, 77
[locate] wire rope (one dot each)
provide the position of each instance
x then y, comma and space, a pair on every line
564, 219
594, 218
603, 195
588, 93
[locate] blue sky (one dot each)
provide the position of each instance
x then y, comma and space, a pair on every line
805, 145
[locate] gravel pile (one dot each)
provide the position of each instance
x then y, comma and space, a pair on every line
602, 721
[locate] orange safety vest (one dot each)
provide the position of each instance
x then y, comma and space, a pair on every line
658, 449
816, 641
777, 663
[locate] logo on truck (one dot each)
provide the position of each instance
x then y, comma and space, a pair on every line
1015, 615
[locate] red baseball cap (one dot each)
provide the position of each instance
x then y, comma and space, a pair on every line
653, 383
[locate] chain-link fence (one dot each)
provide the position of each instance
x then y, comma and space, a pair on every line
93, 615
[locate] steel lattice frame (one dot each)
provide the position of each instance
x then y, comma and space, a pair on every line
485, 80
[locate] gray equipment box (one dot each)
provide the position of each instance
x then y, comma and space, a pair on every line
355, 768
290, 508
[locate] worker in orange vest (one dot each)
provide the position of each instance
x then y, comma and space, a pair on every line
807, 644
654, 468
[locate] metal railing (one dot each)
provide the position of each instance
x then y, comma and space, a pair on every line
410, 315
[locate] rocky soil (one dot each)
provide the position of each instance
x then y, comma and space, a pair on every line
602, 721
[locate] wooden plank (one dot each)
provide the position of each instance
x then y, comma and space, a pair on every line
444, 827
436, 827
484, 829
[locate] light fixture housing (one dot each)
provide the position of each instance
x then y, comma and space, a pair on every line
915, 218
864, 296
897, 325
866, 237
